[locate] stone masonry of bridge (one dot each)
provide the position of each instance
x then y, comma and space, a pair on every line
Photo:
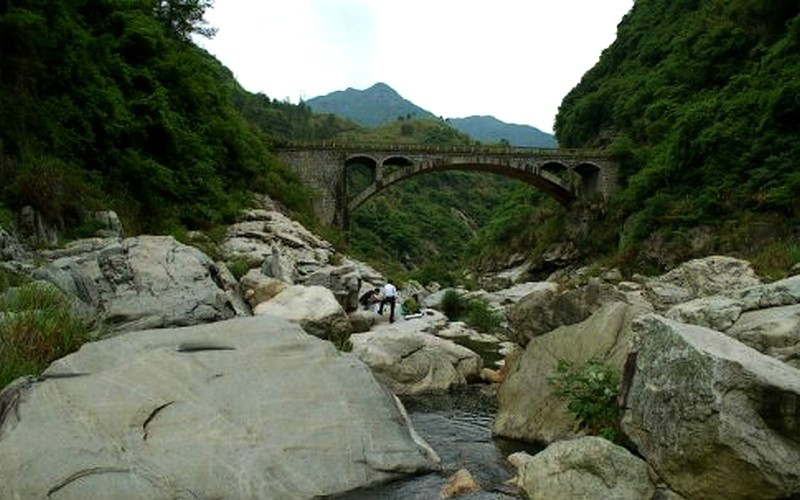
569, 175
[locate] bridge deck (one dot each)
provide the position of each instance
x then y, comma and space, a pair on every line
444, 149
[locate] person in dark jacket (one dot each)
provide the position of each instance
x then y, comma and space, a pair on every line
370, 297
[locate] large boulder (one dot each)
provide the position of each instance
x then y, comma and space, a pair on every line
528, 409
225, 279
549, 307
774, 331
516, 273
289, 249
312, 307
716, 312
35, 229
362, 320
410, 361
714, 417
700, 278
344, 281
289, 252
502, 302
109, 222
10, 247
779, 293
509, 296
251, 408
143, 282
586, 468
434, 299
764, 317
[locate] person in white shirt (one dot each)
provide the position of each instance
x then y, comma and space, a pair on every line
389, 297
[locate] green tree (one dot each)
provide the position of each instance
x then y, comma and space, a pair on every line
186, 17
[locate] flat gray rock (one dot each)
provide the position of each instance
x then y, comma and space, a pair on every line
250, 408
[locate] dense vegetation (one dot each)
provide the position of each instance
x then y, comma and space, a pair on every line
701, 100
108, 104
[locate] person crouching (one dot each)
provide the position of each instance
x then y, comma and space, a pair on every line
369, 298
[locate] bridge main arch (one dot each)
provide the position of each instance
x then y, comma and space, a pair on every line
548, 182
566, 175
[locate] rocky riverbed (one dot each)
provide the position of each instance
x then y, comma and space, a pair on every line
205, 385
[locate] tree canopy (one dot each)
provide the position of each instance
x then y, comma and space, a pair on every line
701, 99
107, 103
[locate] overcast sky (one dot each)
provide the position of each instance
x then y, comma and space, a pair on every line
514, 59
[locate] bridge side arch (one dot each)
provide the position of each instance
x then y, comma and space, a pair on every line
543, 180
555, 168
357, 166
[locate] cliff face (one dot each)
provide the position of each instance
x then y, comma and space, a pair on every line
699, 101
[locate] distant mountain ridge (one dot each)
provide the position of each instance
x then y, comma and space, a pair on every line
381, 104
490, 129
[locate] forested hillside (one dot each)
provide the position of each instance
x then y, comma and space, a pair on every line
108, 104
701, 100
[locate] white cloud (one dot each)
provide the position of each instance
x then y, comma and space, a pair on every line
514, 59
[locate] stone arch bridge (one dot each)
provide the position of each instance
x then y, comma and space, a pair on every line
568, 175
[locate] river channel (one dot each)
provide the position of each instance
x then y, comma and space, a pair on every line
458, 425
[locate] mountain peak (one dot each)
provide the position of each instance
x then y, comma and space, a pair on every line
381, 86
371, 107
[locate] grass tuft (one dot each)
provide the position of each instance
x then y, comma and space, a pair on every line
37, 326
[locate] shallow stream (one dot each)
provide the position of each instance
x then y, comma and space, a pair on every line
458, 425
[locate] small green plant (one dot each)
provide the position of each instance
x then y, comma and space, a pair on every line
37, 326
482, 317
336, 259
343, 344
774, 260
591, 392
411, 306
241, 264
453, 304
9, 278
